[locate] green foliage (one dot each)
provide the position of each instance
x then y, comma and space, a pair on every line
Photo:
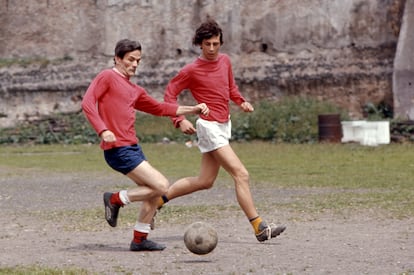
380, 111
152, 129
402, 131
293, 120
75, 129
58, 129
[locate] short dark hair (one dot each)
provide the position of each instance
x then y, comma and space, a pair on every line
125, 46
207, 30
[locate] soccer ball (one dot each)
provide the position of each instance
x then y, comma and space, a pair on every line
200, 238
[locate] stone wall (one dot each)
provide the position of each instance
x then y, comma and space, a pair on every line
336, 50
403, 76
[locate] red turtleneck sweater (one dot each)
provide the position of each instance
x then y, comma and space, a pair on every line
110, 104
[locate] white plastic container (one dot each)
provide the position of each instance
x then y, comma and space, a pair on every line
383, 132
370, 133
351, 130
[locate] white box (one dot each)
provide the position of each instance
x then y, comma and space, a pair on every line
369, 133
383, 132
351, 131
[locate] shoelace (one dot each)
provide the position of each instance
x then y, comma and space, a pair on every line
269, 232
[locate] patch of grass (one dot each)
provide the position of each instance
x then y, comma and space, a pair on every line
90, 219
177, 214
352, 177
40, 270
379, 204
346, 166
153, 129
175, 160
53, 158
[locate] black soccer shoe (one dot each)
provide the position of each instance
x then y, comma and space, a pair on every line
269, 231
146, 245
111, 210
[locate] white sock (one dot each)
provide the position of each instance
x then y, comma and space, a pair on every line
124, 197
142, 227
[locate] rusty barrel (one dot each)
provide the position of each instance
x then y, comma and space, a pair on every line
330, 128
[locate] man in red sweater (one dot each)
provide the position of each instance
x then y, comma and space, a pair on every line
210, 79
109, 105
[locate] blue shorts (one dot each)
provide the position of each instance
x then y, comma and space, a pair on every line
124, 159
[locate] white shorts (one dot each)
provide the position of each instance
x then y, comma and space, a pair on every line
212, 134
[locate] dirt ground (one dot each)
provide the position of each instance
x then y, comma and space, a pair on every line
329, 244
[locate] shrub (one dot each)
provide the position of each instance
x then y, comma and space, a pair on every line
61, 128
75, 129
292, 120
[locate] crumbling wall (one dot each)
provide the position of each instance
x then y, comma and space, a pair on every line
340, 51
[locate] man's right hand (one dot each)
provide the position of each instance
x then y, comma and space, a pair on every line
108, 136
204, 110
187, 127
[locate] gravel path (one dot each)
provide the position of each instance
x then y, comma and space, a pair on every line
359, 243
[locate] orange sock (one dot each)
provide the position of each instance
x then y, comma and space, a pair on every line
255, 222
139, 236
162, 200
116, 200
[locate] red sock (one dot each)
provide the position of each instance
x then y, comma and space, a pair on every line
116, 200
139, 236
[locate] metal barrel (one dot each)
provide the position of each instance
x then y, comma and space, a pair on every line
329, 127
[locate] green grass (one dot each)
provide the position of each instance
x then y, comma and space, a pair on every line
53, 158
75, 220
351, 177
330, 165
344, 166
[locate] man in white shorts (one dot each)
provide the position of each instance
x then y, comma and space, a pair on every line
212, 134
210, 79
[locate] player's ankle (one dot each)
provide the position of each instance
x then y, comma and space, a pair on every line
162, 200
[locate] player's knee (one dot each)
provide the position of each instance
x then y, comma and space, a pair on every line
206, 184
162, 188
242, 176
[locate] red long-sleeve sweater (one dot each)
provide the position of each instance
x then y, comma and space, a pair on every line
110, 103
211, 82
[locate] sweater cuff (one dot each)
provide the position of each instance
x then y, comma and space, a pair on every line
177, 120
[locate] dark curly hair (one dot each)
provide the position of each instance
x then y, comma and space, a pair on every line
207, 30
